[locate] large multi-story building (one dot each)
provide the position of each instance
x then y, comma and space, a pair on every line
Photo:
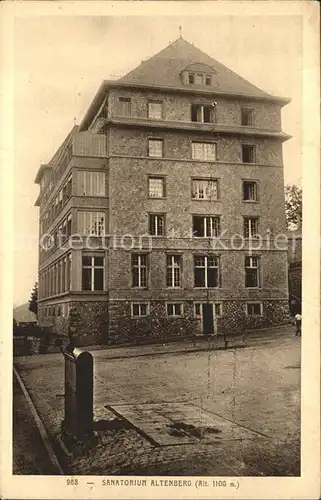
157, 213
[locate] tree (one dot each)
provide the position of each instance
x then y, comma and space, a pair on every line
293, 206
33, 301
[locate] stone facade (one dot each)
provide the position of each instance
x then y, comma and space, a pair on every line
124, 328
118, 122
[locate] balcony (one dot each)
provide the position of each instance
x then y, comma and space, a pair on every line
89, 144
85, 144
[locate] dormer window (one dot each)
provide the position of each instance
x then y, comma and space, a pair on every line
198, 74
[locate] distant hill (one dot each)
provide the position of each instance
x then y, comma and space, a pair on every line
22, 313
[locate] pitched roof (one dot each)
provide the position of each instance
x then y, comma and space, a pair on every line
164, 69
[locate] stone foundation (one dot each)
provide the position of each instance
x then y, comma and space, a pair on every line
89, 322
124, 328
234, 319
104, 322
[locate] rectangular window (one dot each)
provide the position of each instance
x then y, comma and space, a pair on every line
64, 231
250, 191
218, 309
91, 183
91, 223
156, 187
247, 117
54, 279
208, 80
199, 78
251, 227
56, 206
206, 271
60, 203
254, 309
173, 271
68, 273
139, 271
191, 78
63, 275
198, 310
252, 270
206, 227
92, 273
155, 110
156, 225
155, 148
140, 309
248, 153
204, 151
68, 187
203, 189
202, 113
68, 226
174, 309
124, 106
59, 277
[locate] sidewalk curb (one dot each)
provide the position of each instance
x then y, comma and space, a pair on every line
246, 344
175, 340
185, 351
41, 428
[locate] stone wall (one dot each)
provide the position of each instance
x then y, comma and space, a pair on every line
177, 107
128, 214
89, 322
295, 281
124, 328
178, 145
234, 320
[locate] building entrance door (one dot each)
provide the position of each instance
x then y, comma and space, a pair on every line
208, 318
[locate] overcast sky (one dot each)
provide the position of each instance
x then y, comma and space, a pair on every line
60, 62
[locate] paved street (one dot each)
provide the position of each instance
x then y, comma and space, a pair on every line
257, 387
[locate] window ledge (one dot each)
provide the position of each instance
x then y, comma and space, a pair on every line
207, 288
206, 237
205, 199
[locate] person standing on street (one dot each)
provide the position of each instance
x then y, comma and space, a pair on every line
298, 319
